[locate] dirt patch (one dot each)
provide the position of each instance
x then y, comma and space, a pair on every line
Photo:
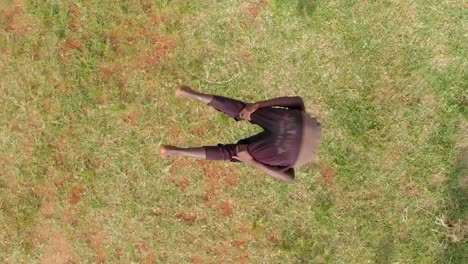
457, 230
180, 164
48, 209
66, 48
427, 202
368, 196
240, 244
74, 12
117, 42
146, 5
51, 106
159, 211
253, 9
107, 73
143, 247
217, 177
43, 234
246, 228
183, 183
232, 180
150, 258
226, 208
245, 55
212, 190
96, 240
76, 193
46, 190
222, 249
274, 237
244, 259
409, 189
155, 19
6, 160
442, 61
161, 46
197, 260
328, 177
202, 129
15, 18
59, 251
73, 44
187, 217
218, 174
70, 218
174, 132
132, 117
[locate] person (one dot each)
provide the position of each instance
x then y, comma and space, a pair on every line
290, 137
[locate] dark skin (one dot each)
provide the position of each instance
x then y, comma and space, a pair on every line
242, 151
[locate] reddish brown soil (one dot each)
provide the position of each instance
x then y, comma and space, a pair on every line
117, 43
226, 208
106, 73
73, 44
328, 176
254, 10
244, 259
76, 193
143, 247
240, 244
150, 258
59, 251
197, 260
43, 234
96, 241
48, 209
70, 218
45, 190
183, 183
187, 217
75, 12
162, 45
17, 21
273, 237
132, 118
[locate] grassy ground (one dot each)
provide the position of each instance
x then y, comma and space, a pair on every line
87, 98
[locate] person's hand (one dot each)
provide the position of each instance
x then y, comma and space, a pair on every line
243, 154
248, 110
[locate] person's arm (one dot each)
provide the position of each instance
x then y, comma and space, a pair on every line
244, 156
294, 102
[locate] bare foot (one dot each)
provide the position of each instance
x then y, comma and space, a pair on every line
167, 151
184, 92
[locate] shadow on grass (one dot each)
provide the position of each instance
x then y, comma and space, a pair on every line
386, 249
307, 7
457, 216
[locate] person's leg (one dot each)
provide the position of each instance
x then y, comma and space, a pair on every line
189, 93
172, 151
219, 152
228, 106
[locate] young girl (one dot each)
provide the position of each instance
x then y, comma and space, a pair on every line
290, 137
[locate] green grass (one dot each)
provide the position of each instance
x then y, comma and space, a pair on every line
87, 99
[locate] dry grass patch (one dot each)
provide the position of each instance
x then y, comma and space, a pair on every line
14, 18
58, 250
